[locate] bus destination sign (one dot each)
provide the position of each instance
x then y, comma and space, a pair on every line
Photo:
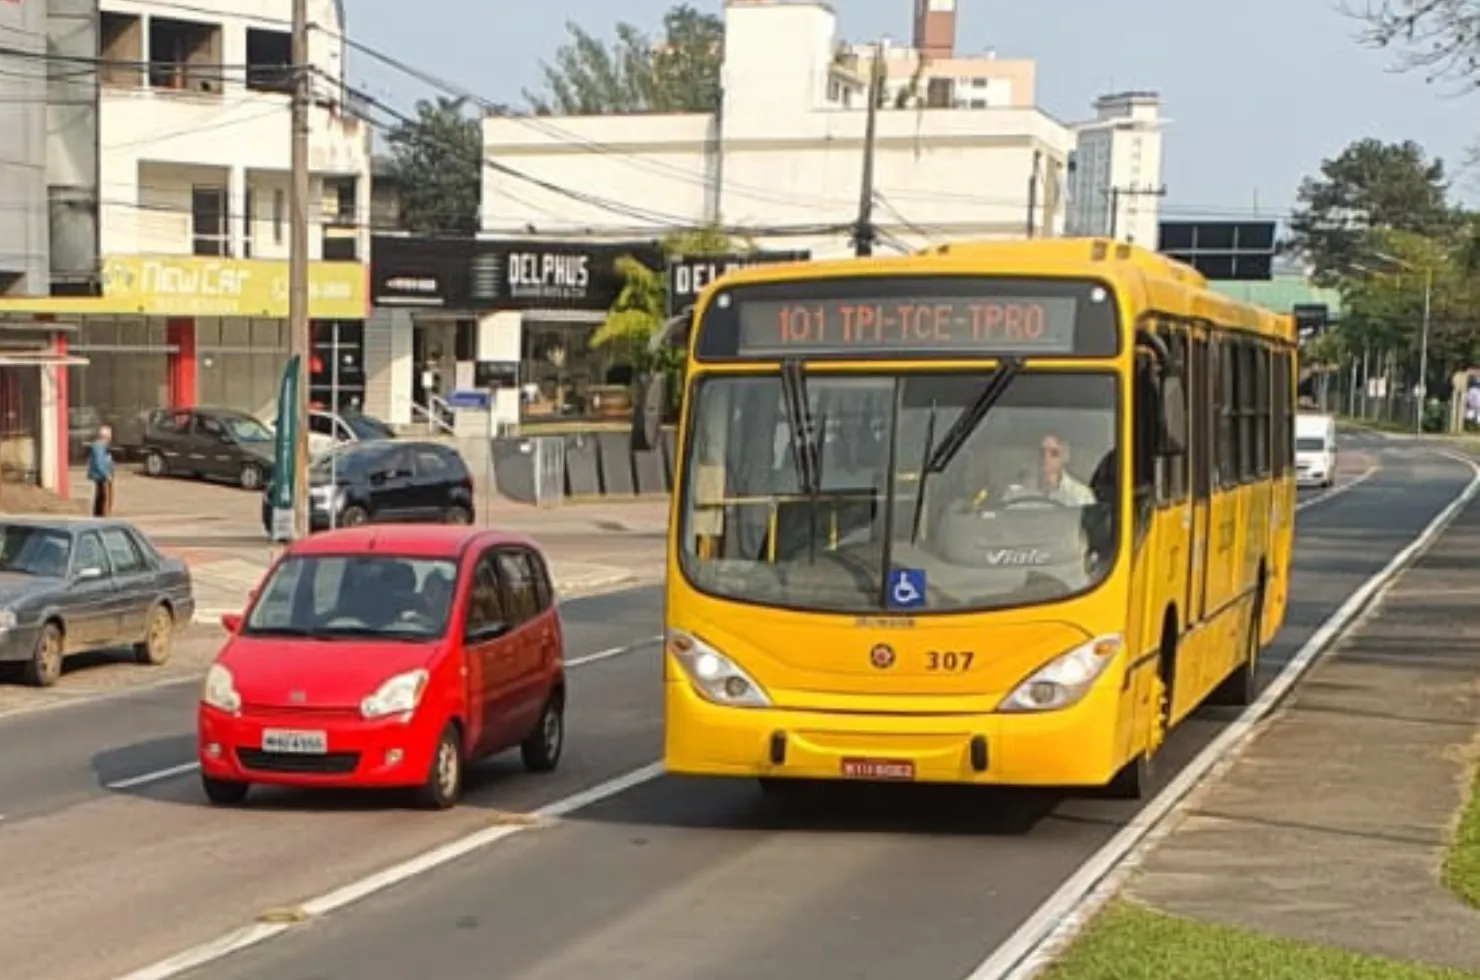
936, 326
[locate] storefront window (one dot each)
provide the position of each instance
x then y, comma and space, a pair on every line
20, 414
562, 376
240, 362
346, 388
127, 377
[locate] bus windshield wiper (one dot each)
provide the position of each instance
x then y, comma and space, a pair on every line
804, 448
967, 422
938, 458
925, 457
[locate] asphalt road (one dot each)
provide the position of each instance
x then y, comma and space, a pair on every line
673, 878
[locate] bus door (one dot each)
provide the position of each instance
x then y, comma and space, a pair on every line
1175, 538
1203, 427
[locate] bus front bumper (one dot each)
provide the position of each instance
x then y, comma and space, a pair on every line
1077, 746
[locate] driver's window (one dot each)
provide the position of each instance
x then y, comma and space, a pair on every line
90, 553
320, 425
485, 601
393, 466
212, 428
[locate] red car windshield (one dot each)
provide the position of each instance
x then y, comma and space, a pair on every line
360, 596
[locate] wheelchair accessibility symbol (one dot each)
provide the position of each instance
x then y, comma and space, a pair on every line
907, 588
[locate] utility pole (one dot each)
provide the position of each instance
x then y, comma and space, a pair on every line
1423, 350
864, 232
1116, 193
299, 340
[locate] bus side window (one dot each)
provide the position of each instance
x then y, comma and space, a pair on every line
1146, 413
1172, 471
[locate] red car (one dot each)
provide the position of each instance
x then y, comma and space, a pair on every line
386, 656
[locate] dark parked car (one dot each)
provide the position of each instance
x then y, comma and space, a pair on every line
219, 443
401, 481
69, 586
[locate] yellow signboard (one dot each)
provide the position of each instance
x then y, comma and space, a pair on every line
158, 285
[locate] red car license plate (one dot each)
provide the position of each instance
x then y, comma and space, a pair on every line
895, 769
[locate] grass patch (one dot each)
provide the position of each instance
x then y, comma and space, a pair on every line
1462, 862
1128, 942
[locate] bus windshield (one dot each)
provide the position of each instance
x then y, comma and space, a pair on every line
1024, 513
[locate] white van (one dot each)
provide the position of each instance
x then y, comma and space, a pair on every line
1315, 450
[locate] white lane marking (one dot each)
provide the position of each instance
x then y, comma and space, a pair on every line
608, 654
1045, 934
422, 863
153, 777
1337, 491
170, 772
260, 932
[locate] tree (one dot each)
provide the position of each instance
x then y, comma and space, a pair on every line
1439, 37
1370, 187
642, 304
1383, 306
632, 74
437, 165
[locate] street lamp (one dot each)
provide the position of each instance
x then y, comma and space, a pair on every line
1423, 335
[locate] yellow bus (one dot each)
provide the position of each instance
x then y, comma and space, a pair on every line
994, 513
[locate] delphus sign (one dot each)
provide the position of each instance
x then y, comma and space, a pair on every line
689, 275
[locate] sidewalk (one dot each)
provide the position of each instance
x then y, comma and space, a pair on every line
1332, 826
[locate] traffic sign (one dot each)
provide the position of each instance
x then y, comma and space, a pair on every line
468, 398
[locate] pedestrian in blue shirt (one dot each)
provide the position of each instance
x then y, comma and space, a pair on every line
100, 472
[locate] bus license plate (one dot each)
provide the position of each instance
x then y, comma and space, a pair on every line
894, 769
295, 742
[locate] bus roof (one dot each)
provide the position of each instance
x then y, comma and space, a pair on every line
1147, 277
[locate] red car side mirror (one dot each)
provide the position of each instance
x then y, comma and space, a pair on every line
231, 622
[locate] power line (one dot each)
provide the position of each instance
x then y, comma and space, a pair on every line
543, 125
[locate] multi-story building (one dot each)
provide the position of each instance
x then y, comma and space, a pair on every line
32, 355
23, 227
168, 179
1115, 180
932, 74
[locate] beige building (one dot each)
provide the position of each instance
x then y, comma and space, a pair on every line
931, 73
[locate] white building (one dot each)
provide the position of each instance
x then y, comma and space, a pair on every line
187, 158
784, 155
1115, 180
195, 156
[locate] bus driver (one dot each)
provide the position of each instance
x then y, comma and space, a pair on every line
1053, 479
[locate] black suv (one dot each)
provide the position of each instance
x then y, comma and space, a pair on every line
403, 481
219, 443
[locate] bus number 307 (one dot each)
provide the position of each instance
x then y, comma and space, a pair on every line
951, 661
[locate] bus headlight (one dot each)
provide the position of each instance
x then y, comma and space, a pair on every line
1064, 680
715, 677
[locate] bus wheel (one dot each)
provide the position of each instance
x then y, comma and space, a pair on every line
1134, 781
1241, 688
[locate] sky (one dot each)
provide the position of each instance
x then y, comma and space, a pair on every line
1258, 92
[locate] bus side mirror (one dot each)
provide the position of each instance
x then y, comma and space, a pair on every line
1173, 415
647, 411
